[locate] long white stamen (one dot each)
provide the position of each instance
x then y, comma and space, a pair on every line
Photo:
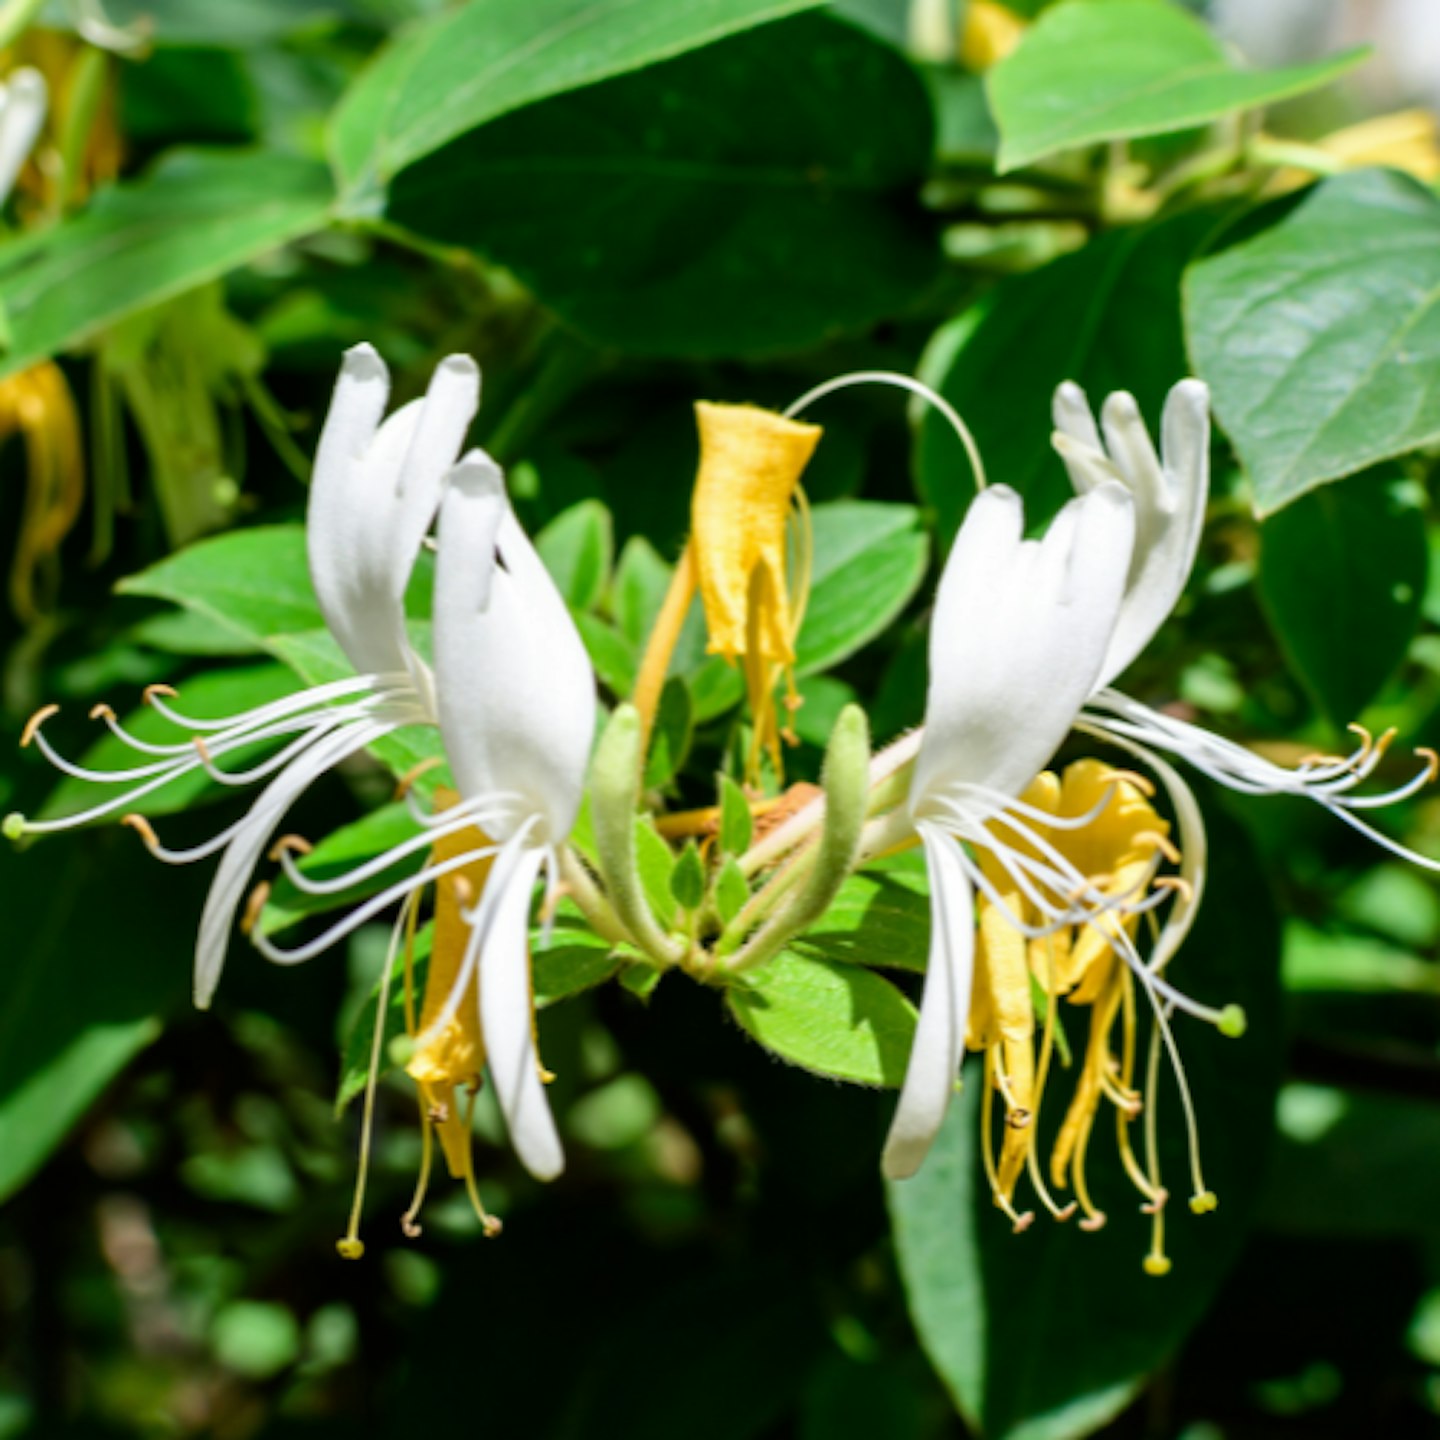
300, 700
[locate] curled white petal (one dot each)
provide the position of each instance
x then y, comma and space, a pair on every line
24, 99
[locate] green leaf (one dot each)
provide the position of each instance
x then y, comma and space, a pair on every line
1342, 573
342, 850
641, 579
732, 890
862, 548
253, 583
737, 825
610, 652
835, 1020
1078, 318
655, 861
207, 697
687, 879
180, 22
1048, 1334
468, 66
575, 960
759, 195
1319, 336
1094, 70
880, 917
673, 731
578, 548
195, 216
99, 971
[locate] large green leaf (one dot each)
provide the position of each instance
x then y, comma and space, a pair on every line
196, 215
101, 955
1320, 335
880, 917
1094, 70
758, 195
468, 66
1046, 1335
1107, 317
253, 582
862, 548
836, 1020
1342, 574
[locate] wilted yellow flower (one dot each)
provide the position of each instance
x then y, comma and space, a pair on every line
752, 565
36, 405
1119, 848
991, 32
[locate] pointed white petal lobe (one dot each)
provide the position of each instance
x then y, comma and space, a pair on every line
23, 102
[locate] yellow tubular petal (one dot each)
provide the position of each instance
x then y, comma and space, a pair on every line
1089, 1088
456, 1056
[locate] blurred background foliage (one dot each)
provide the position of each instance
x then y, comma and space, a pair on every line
620, 209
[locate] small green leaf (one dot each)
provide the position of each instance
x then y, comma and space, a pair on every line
670, 738
656, 862
469, 65
195, 216
880, 917
578, 548
732, 890
641, 980
610, 652
641, 579
1342, 573
1094, 70
862, 547
687, 879
835, 1020
737, 825
1318, 334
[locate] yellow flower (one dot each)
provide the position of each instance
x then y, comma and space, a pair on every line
746, 492
1119, 849
36, 405
991, 32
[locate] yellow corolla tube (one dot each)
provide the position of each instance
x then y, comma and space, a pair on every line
751, 552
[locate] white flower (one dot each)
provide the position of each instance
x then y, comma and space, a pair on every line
23, 102
1020, 632
515, 701
375, 492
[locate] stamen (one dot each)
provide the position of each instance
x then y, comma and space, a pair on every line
407, 781
259, 898
145, 830
152, 692
1161, 842
33, 724
101, 711
290, 845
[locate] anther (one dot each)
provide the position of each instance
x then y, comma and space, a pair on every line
291, 845
1181, 886
1367, 741
547, 1077
407, 781
1142, 783
412, 1228
1066, 1211
1157, 1202
1092, 1223
259, 897
101, 711
143, 828
350, 1248
14, 825
464, 891
1018, 1118
35, 722
1385, 741
438, 1113
1023, 1222
492, 1225
168, 692
1432, 762
1205, 1202
1157, 1265
1162, 843
202, 749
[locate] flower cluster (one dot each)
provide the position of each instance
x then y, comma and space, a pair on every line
1045, 888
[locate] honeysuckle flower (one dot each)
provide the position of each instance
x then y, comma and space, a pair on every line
514, 695
375, 491
1170, 492
1119, 845
36, 405
1020, 631
24, 98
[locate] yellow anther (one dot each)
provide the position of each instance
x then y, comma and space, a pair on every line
407, 781
1385, 741
1181, 886
1157, 1265
143, 828
1432, 762
1163, 843
259, 898
168, 692
350, 1248
202, 749
1022, 1222
1094, 1221
35, 722
101, 712
492, 1225
1204, 1202
290, 845
1158, 1202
